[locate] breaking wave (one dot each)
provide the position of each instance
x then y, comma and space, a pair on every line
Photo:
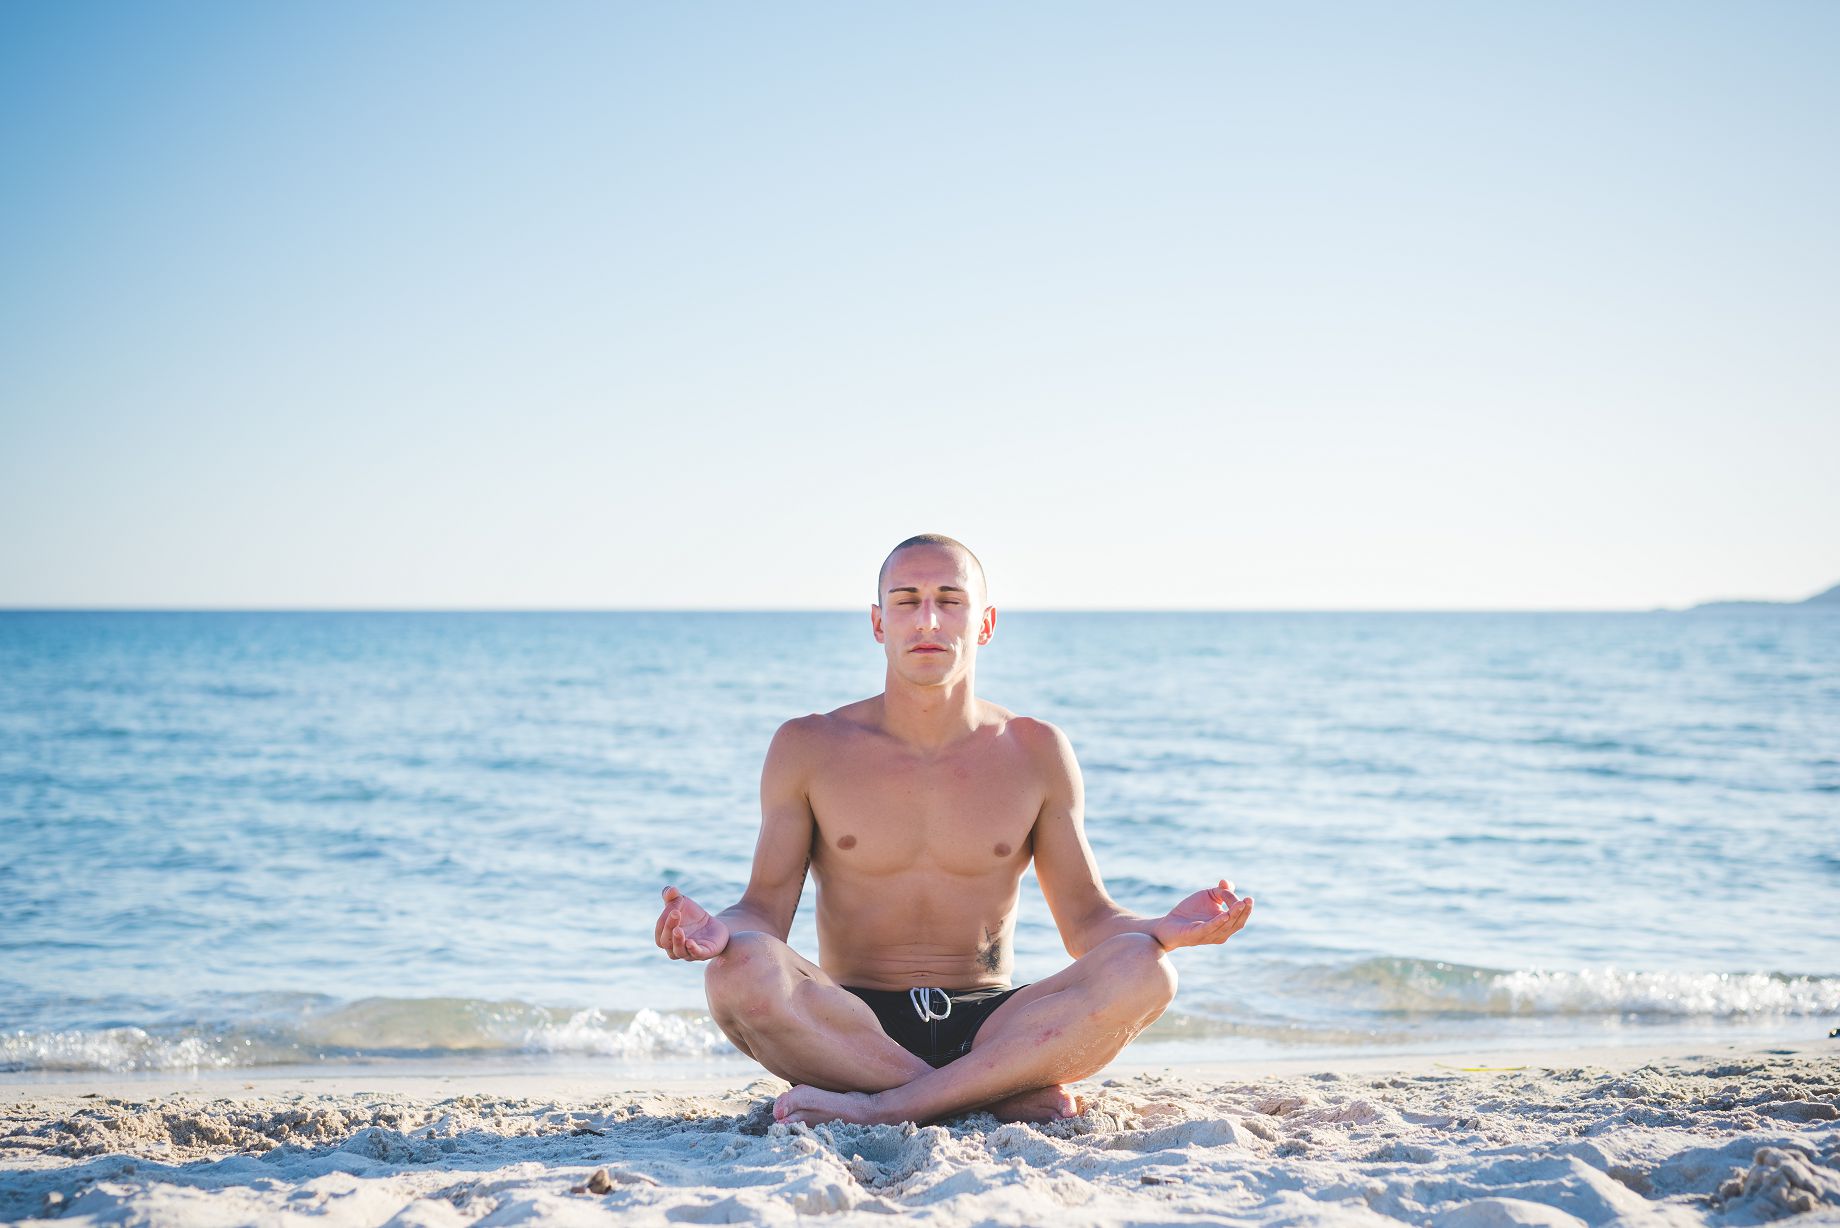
1382, 1001
1411, 986
315, 1030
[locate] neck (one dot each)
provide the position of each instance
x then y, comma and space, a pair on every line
929, 716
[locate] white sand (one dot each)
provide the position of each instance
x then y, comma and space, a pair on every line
1736, 1137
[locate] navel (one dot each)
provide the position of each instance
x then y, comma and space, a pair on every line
848, 842
1003, 850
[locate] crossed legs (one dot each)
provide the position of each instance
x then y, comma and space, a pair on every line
791, 1017
787, 1013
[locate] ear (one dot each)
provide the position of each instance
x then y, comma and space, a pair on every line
988, 626
875, 623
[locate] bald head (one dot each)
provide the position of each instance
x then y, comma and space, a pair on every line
972, 566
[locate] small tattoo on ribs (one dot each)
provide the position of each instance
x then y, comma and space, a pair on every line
990, 951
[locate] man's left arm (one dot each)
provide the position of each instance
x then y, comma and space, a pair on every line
1085, 915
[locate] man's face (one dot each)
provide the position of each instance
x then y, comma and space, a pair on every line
932, 616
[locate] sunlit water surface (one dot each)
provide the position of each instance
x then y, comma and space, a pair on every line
249, 839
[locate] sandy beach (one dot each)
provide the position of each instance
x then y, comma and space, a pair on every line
1721, 1136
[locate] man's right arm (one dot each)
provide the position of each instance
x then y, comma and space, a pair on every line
782, 854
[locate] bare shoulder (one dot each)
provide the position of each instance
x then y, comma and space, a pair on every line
1042, 744
863, 714
804, 737
1039, 737
796, 742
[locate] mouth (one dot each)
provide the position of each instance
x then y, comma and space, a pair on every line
926, 648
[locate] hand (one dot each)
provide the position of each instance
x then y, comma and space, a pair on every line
1204, 918
687, 931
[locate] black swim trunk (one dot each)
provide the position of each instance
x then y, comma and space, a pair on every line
935, 1025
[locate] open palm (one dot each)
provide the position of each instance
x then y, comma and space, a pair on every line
1206, 917
686, 929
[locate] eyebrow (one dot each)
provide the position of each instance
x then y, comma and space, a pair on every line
944, 588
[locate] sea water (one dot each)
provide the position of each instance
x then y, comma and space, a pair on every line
247, 839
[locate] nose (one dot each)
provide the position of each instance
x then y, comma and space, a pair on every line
929, 614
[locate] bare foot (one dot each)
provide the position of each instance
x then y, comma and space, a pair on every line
812, 1105
1043, 1104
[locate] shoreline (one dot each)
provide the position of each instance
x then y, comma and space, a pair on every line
590, 1076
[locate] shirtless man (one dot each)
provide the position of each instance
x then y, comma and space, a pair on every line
918, 810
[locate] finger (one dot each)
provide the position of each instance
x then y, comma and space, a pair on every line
677, 943
1204, 931
671, 893
1218, 929
1219, 932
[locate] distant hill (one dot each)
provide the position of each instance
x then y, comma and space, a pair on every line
1824, 601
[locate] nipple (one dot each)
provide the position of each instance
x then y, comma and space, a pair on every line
1003, 850
848, 842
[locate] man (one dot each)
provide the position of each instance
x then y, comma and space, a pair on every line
918, 810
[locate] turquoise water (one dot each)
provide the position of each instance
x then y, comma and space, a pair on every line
246, 839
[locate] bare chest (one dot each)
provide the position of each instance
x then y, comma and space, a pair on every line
882, 812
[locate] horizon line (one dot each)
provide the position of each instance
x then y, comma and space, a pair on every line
637, 609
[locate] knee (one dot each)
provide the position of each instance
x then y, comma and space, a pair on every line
748, 979
1140, 968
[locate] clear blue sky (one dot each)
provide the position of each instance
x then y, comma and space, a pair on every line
1508, 305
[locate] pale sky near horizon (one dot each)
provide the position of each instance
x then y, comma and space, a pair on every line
1300, 306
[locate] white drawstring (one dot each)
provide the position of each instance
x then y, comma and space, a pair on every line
923, 1004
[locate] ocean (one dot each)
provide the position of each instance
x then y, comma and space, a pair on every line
239, 840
